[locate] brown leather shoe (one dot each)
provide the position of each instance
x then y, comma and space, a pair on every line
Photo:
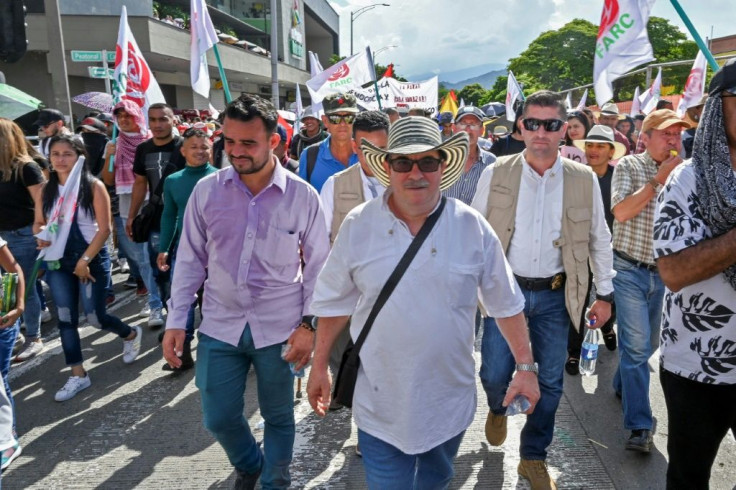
535, 471
496, 429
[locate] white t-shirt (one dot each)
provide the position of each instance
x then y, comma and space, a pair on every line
416, 384
87, 223
698, 339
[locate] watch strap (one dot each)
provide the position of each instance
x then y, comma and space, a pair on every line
534, 368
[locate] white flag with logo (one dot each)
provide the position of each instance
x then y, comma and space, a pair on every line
133, 79
203, 38
695, 85
650, 98
350, 73
583, 101
622, 43
635, 104
513, 92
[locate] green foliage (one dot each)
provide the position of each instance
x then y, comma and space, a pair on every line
472, 94
442, 91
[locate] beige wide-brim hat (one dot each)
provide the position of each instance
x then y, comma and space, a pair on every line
602, 134
410, 135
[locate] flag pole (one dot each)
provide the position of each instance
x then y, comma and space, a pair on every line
378, 95
225, 86
699, 40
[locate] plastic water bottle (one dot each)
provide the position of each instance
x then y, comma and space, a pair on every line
589, 352
519, 404
292, 366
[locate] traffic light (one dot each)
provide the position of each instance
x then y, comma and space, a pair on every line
13, 43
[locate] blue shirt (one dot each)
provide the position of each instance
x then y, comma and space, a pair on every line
325, 166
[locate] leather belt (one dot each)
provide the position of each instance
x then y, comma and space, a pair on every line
542, 283
632, 260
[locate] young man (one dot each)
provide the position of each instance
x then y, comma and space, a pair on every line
427, 325
257, 232
310, 134
50, 122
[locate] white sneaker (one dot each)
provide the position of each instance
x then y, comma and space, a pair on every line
124, 267
131, 348
31, 349
145, 311
156, 318
46, 315
73, 385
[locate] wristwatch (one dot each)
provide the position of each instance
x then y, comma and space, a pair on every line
608, 298
655, 185
308, 322
534, 367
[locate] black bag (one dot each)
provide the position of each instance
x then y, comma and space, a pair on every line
350, 362
148, 219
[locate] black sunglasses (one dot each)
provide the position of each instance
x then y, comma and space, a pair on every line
336, 118
426, 164
550, 125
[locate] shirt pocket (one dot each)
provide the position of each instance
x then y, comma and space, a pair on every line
281, 247
462, 285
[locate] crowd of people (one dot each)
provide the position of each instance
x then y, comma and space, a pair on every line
394, 239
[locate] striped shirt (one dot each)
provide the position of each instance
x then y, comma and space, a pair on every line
634, 237
464, 188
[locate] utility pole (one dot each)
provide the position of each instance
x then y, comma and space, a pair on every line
275, 21
56, 59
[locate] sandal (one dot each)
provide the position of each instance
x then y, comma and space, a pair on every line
572, 366
610, 340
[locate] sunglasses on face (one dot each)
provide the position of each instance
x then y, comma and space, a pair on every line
336, 118
550, 125
404, 165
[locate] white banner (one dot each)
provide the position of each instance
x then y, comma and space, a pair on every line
695, 85
401, 94
349, 74
622, 43
203, 38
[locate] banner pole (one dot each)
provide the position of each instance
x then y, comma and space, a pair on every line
225, 86
699, 40
378, 95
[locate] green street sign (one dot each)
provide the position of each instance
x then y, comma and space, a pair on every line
87, 56
111, 56
99, 72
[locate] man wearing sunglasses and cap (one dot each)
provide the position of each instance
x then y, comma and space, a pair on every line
548, 213
415, 391
695, 249
334, 153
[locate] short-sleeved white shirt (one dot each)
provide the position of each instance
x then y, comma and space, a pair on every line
416, 384
698, 339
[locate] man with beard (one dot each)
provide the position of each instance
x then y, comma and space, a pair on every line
50, 123
257, 232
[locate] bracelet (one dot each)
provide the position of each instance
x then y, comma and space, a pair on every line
308, 326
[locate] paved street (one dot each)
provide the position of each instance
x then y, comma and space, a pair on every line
140, 427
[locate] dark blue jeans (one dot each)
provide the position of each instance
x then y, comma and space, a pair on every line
548, 322
22, 244
65, 288
7, 341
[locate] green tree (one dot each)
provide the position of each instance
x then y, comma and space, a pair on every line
442, 91
472, 94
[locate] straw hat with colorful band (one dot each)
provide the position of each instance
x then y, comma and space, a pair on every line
602, 134
411, 135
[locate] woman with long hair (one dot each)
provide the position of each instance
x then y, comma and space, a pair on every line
627, 127
75, 212
577, 127
21, 180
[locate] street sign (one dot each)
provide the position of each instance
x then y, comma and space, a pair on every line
92, 56
99, 72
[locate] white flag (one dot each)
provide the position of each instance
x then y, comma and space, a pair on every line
133, 79
203, 38
650, 98
622, 43
315, 67
513, 92
568, 101
635, 104
583, 101
462, 102
695, 85
299, 110
350, 73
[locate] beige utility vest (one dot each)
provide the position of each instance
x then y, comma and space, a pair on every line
348, 194
577, 212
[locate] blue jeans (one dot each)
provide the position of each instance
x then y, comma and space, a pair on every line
7, 341
190, 314
22, 244
221, 373
639, 295
138, 253
387, 468
65, 288
548, 322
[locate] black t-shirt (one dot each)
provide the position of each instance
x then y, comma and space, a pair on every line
507, 146
151, 161
605, 185
16, 203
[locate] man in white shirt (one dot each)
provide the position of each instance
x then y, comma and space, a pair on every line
415, 392
548, 214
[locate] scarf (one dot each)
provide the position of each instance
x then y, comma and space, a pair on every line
59, 224
715, 181
125, 147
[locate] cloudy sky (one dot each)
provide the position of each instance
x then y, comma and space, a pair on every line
448, 35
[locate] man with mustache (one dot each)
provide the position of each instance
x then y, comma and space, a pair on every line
256, 231
548, 214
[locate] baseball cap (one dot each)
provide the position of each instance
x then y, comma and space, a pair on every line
725, 78
662, 119
470, 110
340, 103
445, 117
106, 117
48, 116
92, 124
281, 132
308, 112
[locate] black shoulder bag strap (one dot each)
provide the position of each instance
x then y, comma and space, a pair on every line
312, 153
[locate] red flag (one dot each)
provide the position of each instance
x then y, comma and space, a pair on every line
453, 96
289, 130
389, 71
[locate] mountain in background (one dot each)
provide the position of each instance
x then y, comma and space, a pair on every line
486, 80
458, 76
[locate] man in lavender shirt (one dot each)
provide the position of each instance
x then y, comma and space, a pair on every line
256, 233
